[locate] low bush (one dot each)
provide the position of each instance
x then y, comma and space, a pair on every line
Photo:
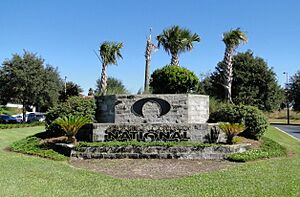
71, 125
231, 130
12, 126
215, 104
268, 149
32, 146
74, 106
173, 80
253, 119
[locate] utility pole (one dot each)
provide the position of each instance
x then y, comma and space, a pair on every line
287, 96
66, 85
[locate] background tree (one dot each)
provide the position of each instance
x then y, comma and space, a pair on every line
294, 91
232, 40
176, 40
25, 80
254, 83
173, 80
91, 92
109, 53
72, 89
114, 86
52, 86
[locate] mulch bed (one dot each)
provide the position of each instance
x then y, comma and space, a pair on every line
151, 168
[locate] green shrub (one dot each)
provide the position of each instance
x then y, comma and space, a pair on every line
173, 80
268, 149
231, 130
253, 119
31, 145
12, 126
74, 106
71, 125
226, 113
214, 104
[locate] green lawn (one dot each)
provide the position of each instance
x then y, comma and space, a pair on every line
22, 175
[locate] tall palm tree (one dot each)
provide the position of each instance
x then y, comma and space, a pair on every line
176, 40
150, 47
109, 53
232, 40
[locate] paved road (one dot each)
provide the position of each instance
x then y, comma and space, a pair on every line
293, 130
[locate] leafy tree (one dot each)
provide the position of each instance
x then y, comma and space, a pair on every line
294, 91
114, 86
71, 89
25, 80
232, 40
176, 40
173, 80
51, 87
253, 83
109, 53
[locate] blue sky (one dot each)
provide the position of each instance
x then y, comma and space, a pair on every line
65, 33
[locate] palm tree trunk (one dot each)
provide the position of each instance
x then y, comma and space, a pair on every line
147, 67
175, 59
103, 80
228, 74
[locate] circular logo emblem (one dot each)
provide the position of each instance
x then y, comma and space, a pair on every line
164, 106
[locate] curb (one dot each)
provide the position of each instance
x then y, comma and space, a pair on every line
286, 133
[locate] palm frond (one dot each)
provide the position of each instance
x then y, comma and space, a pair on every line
176, 39
234, 37
71, 124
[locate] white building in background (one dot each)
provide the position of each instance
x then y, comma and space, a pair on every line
19, 106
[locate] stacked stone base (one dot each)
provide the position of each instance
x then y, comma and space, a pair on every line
158, 152
151, 132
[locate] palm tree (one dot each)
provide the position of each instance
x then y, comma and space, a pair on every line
176, 40
232, 40
150, 47
109, 53
71, 125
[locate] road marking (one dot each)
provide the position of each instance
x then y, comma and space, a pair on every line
287, 133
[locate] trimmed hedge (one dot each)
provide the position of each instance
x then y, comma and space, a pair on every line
74, 106
254, 120
268, 149
173, 80
12, 126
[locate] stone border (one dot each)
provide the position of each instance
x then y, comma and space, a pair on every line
158, 152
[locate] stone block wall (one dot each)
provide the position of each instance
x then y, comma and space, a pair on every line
158, 152
150, 132
160, 108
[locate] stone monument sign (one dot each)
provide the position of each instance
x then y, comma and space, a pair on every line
161, 117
